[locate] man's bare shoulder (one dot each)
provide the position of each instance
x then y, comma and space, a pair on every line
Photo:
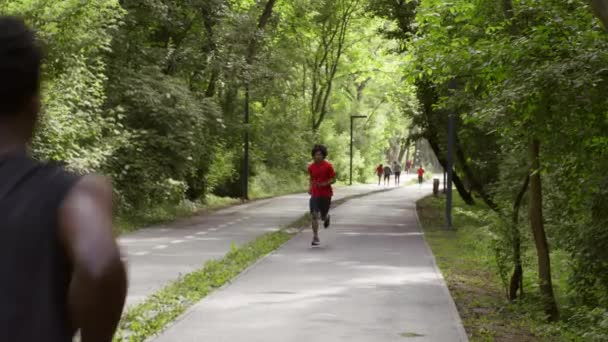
95, 184
95, 188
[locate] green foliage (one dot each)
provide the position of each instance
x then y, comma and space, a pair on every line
224, 167
75, 128
168, 130
277, 182
151, 93
466, 257
513, 71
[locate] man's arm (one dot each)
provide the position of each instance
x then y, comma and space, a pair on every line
99, 282
329, 182
310, 185
310, 181
332, 178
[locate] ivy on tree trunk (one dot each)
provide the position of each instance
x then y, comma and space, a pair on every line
540, 237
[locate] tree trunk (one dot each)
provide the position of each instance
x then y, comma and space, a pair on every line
507, 7
402, 148
409, 145
211, 16
599, 206
600, 8
262, 21
250, 58
211, 86
540, 238
470, 176
333, 44
361, 87
462, 191
518, 272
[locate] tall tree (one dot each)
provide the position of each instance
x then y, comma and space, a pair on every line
538, 230
334, 21
251, 54
517, 278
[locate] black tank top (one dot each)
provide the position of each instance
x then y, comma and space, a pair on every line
34, 269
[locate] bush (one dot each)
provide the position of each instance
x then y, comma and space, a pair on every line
169, 135
276, 182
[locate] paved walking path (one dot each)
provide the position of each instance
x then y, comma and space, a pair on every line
374, 279
158, 255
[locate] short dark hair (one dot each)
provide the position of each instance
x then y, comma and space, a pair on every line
20, 60
319, 148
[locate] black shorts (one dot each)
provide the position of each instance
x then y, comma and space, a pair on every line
387, 176
397, 174
320, 205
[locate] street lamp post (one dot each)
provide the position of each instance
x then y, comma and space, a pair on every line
450, 160
352, 119
448, 204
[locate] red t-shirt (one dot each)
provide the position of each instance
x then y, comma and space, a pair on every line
420, 172
379, 170
321, 173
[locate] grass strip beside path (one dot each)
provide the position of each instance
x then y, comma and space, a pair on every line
152, 316
466, 260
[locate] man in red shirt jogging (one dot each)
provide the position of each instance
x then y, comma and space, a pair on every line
380, 172
420, 175
322, 176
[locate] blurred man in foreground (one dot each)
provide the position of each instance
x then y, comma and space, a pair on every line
60, 265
